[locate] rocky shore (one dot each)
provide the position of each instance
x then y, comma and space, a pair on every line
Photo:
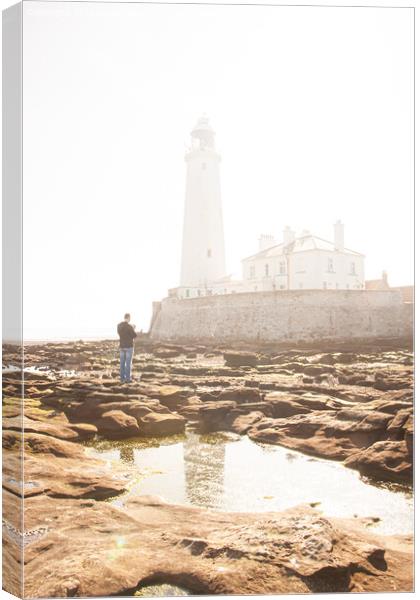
346, 404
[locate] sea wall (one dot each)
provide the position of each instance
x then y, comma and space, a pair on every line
303, 315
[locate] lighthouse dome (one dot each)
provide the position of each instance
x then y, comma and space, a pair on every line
204, 133
203, 124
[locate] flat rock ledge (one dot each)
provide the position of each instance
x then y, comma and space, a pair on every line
86, 548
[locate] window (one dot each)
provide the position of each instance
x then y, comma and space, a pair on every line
209, 253
282, 268
337, 286
282, 287
324, 285
330, 265
267, 270
252, 271
301, 285
352, 268
187, 293
198, 292
347, 286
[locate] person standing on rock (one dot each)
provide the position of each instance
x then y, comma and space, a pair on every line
127, 334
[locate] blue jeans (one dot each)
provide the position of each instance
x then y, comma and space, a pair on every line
126, 356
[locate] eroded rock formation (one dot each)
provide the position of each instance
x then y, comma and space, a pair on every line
350, 406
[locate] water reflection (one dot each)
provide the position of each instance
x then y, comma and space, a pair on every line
232, 473
204, 468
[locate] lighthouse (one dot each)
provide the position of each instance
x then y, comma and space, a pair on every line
203, 245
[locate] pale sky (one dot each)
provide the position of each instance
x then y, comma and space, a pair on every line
313, 113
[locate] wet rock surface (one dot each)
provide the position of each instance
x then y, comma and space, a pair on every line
352, 406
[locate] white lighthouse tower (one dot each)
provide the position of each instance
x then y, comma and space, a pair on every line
203, 245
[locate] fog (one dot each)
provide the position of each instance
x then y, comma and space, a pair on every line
313, 114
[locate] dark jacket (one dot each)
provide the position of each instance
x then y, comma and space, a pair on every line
127, 334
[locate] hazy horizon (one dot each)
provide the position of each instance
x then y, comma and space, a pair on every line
313, 113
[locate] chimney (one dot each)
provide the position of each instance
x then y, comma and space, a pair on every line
339, 236
266, 241
385, 279
288, 236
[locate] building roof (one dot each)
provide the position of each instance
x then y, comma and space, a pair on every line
300, 244
407, 292
376, 284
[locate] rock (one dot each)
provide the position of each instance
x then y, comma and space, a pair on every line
344, 357
58, 468
193, 401
212, 415
166, 352
240, 359
41, 444
63, 431
240, 394
354, 420
389, 460
135, 409
264, 407
391, 383
116, 424
320, 401
171, 396
354, 380
147, 369
96, 398
242, 423
329, 434
285, 405
405, 395
294, 367
191, 408
191, 370
296, 389
209, 396
290, 552
326, 359
84, 431
397, 426
317, 370
155, 424
389, 406
409, 436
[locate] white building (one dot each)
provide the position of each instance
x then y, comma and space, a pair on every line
305, 262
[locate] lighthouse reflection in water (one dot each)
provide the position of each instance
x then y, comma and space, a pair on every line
226, 472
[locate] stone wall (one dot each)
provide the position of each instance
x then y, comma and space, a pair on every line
304, 315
